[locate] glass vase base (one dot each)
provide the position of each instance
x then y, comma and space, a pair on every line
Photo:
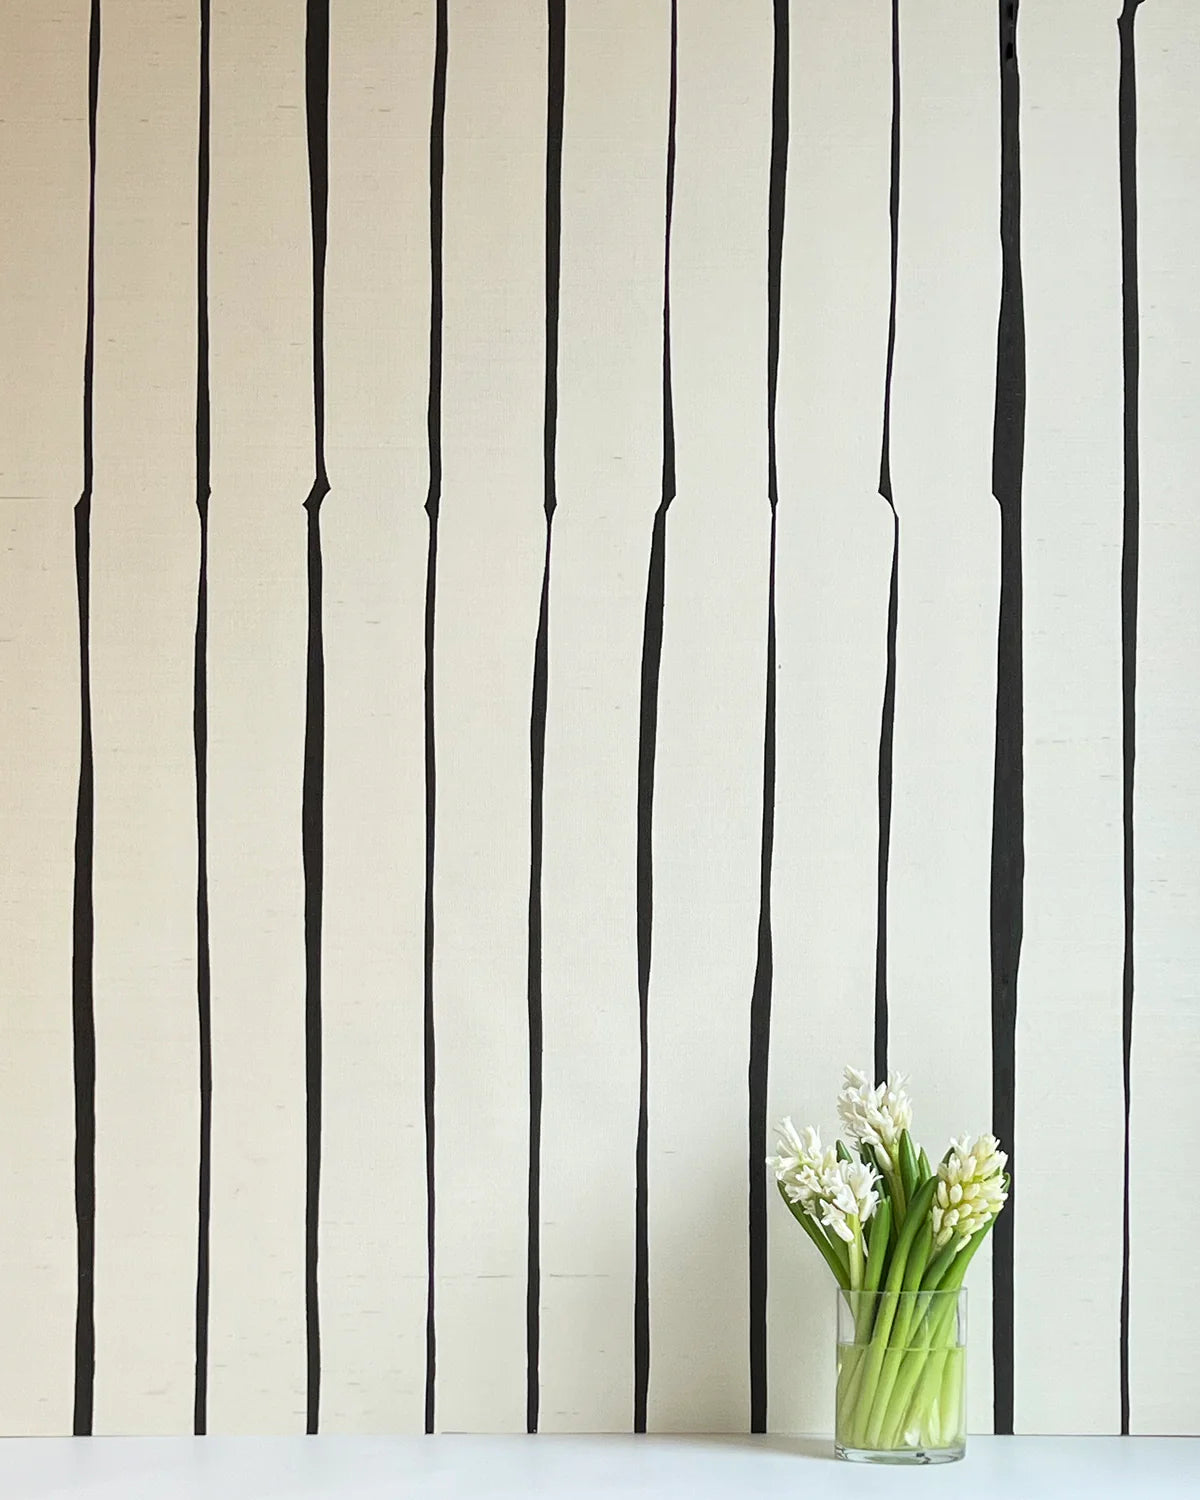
900, 1455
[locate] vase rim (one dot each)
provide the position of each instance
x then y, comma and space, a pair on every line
945, 1291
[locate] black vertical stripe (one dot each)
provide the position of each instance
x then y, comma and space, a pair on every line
887, 717
760, 999
537, 758
1008, 807
555, 88
200, 740
316, 72
433, 501
83, 1014
652, 634
1131, 359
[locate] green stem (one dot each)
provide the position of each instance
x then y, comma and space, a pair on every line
930, 1387
877, 1247
886, 1312
890, 1368
926, 1389
857, 1260
901, 1414
850, 1364
950, 1402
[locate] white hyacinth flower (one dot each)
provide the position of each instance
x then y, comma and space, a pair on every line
848, 1198
801, 1164
970, 1191
875, 1116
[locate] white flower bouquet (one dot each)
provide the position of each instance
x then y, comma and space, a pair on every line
898, 1236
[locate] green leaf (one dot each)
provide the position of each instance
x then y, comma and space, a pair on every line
834, 1251
877, 1245
910, 1172
917, 1216
938, 1267
953, 1278
843, 1153
918, 1257
923, 1165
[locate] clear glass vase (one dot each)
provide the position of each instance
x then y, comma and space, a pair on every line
901, 1377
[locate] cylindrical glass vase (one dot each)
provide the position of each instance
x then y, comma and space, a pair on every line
901, 1377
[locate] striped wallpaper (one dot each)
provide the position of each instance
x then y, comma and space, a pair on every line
565, 570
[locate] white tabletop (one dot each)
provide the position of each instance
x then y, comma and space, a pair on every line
684, 1468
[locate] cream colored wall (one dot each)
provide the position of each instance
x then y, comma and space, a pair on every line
832, 564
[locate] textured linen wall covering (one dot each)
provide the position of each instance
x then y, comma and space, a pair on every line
470, 761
